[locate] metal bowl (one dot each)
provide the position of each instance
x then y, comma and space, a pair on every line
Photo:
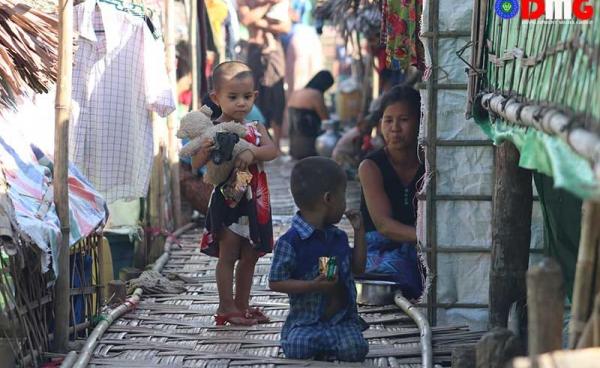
375, 292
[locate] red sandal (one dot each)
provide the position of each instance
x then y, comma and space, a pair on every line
258, 315
236, 318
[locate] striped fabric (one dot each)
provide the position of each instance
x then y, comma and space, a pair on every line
28, 174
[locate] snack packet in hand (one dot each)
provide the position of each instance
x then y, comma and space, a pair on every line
327, 267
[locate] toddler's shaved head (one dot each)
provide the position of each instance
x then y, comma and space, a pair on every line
230, 70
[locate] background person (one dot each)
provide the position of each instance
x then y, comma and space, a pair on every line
266, 58
306, 109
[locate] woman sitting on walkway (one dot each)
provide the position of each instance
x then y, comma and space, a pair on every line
306, 108
389, 178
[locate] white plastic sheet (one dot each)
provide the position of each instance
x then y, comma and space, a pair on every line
461, 278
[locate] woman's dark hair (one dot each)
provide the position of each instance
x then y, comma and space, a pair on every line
182, 53
390, 77
322, 81
401, 93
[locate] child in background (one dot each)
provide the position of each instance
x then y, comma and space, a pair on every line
323, 322
243, 232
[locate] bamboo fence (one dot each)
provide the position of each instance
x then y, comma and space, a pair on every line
27, 316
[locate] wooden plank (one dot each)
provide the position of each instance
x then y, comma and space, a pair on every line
545, 307
586, 358
497, 348
583, 292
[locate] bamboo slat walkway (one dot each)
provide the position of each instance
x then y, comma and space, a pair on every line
179, 331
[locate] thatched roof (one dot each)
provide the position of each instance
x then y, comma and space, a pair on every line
28, 49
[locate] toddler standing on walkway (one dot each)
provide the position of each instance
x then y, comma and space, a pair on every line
240, 232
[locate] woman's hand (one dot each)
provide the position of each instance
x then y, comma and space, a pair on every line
355, 219
244, 159
359, 252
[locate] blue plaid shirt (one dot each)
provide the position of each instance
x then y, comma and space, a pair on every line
296, 256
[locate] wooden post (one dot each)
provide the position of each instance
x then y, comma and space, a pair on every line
172, 123
193, 26
464, 356
156, 206
595, 319
101, 275
62, 297
511, 233
545, 307
496, 348
583, 289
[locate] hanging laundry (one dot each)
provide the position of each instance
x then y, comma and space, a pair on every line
119, 78
218, 11
400, 30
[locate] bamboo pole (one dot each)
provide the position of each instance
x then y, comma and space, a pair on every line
424, 328
551, 121
172, 124
431, 153
586, 339
194, 51
584, 272
61, 192
545, 302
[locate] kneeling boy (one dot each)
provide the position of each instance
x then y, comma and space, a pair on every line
323, 322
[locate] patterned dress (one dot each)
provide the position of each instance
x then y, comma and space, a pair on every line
250, 219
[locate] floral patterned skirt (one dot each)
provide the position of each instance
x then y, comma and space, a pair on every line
253, 214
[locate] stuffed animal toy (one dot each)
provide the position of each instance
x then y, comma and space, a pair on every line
228, 137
